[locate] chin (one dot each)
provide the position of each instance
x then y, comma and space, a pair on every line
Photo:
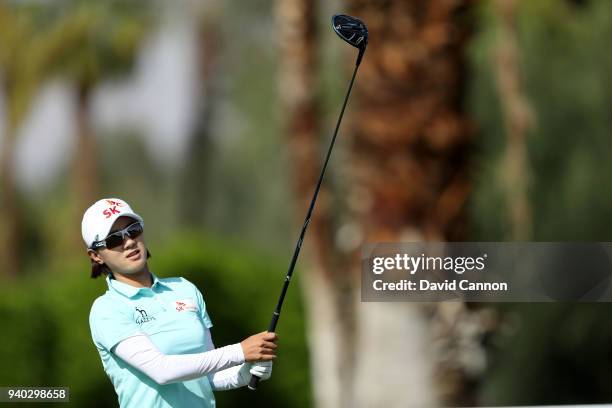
134, 268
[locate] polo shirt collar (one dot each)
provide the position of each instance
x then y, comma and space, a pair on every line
129, 290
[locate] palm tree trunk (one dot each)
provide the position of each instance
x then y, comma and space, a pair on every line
410, 155
10, 215
327, 320
199, 152
10, 237
409, 181
518, 119
85, 178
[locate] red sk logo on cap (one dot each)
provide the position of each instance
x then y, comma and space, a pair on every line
112, 209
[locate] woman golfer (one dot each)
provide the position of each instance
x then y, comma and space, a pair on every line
153, 334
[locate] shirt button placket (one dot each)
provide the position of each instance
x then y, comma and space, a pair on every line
159, 301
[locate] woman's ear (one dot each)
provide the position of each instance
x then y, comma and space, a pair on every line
95, 257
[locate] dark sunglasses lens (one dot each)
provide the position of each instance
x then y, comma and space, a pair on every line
113, 241
116, 239
134, 230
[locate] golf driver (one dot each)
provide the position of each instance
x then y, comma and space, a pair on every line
354, 32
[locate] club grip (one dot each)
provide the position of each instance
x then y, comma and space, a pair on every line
253, 383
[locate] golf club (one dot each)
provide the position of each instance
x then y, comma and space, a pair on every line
354, 32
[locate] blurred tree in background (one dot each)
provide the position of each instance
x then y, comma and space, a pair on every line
410, 166
199, 153
270, 76
31, 47
518, 119
409, 179
299, 96
106, 49
82, 40
548, 353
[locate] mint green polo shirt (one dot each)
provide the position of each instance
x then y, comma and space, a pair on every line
173, 314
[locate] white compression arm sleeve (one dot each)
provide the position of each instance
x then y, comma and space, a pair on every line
141, 353
230, 378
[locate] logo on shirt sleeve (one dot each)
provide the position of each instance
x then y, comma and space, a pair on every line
185, 305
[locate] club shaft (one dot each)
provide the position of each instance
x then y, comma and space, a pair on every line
298, 246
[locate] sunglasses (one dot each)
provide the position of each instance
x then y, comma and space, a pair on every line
118, 237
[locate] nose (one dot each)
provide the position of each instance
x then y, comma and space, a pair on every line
128, 241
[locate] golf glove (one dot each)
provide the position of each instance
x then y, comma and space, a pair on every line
262, 369
240, 375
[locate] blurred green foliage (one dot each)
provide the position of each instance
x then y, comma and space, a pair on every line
546, 354
566, 76
47, 341
550, 353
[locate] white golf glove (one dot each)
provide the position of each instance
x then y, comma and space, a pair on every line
262, 369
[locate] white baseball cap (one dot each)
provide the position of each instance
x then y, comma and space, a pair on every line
100, 217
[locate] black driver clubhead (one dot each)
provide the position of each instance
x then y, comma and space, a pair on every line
353, 31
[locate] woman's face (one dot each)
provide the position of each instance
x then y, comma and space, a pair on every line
128, 258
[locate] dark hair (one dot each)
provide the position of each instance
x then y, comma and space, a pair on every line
99, 269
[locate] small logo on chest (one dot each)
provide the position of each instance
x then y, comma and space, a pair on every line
144, 317
186, 305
